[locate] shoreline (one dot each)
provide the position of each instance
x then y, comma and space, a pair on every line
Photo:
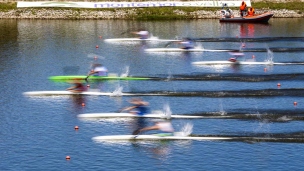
10, 11
123, 14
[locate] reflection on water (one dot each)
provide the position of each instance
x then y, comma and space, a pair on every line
78, 102
160, 150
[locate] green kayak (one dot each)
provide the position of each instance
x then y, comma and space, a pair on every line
95, 78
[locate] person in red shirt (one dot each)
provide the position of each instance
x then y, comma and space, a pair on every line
78, 87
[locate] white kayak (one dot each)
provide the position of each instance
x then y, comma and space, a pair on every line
52, 93
164, 136
138, 39
234, 63
129, 115
184, 50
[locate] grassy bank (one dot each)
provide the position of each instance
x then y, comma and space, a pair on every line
168, 12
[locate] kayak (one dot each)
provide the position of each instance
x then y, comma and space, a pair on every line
185, 50
95, 78
232, 63
129, 115
245, 63
93, 93
182, 136
139, 40
161, 136
261, 18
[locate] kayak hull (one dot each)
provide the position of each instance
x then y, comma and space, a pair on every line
139, 40
231, 63
92, 93
154, 137
129, 115
94, 78
184, 50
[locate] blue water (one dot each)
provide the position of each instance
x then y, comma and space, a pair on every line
37, 133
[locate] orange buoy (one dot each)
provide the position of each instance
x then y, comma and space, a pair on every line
295, 103
253, 56
265, 69
97, 46
76, 127
67, 157
279, 85
83, 104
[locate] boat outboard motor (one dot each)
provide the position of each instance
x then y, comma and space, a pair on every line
226, 13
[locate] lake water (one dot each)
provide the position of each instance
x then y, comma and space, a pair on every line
37, 133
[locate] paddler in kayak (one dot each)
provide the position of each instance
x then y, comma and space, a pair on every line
236, 56
144, 34
78, 86
139, 107
186, 43
164, 126
98, 70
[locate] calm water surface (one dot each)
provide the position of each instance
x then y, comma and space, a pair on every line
37, 133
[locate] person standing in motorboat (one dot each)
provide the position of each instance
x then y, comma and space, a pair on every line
139, 107
243, 8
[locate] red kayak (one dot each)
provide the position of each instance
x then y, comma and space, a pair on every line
261, 18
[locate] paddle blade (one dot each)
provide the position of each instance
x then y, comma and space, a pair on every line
136, 132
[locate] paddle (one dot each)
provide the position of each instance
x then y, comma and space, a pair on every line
168, 44
86, 79
128, 30
176, 37
120, 110
137, 131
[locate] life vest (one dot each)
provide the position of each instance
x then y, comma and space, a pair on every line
250, 11
243, 6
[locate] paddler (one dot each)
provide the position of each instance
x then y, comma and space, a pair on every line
99, 70
236, 56
139, 107
144, 34
78, 86
164, 126
186, 43
243, 8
